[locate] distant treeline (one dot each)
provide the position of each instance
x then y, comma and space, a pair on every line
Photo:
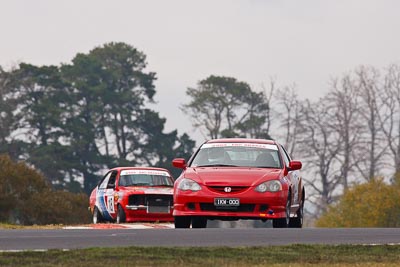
73, 121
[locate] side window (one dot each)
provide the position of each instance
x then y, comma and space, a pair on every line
111, 181
103, 184
286, 157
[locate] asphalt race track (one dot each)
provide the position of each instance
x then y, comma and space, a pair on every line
16, 240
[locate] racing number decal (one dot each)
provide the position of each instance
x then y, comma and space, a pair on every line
110, 204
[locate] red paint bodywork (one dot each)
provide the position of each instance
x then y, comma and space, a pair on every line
267, 205
121, 195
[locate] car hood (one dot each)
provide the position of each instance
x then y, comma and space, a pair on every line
215, 176
161, 190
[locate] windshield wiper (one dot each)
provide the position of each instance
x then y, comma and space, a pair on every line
267, 167
217, 165
140, 184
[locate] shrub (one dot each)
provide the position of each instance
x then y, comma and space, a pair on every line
372, 204
26, 198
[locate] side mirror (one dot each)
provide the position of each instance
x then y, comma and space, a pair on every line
295, 165
111, 186
179, 163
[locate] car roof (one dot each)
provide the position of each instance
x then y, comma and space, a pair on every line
241, 140
139, 168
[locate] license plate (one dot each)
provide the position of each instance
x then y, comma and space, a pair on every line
158, 209
226, 202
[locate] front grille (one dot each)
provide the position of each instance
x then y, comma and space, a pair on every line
233, 189
150, 200
241, 208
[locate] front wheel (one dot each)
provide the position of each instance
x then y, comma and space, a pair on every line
182, 221
283, 222
297, 222
97, 218
121, 217
199, 222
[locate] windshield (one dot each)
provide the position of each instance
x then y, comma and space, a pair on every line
237, 154
141, 179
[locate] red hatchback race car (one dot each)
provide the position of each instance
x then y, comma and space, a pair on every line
131, 194
231, 179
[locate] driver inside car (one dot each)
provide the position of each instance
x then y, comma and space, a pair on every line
217, 155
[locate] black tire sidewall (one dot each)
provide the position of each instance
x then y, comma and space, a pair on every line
121, 218
182, 221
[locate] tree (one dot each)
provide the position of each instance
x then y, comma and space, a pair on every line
33, 117
255, 122
372, 146
107, 122
159, 148
343, 100
34, 91
113, 87
225, 107
6, 112
320, 145
390, 123
289, 113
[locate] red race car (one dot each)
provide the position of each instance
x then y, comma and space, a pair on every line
234, 178
131, 194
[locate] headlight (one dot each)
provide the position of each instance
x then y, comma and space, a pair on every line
187, 184
270, 186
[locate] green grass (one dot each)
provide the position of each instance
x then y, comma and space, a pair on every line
293, 255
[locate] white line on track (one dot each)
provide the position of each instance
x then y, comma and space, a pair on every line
122, 226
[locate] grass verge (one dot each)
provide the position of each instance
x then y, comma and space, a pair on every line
292, 255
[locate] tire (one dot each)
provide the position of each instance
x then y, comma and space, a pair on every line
199, 222
182, 221
283, 222
97, 218
297, 222
121, 217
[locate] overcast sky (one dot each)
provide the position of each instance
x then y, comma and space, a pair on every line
303, 42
